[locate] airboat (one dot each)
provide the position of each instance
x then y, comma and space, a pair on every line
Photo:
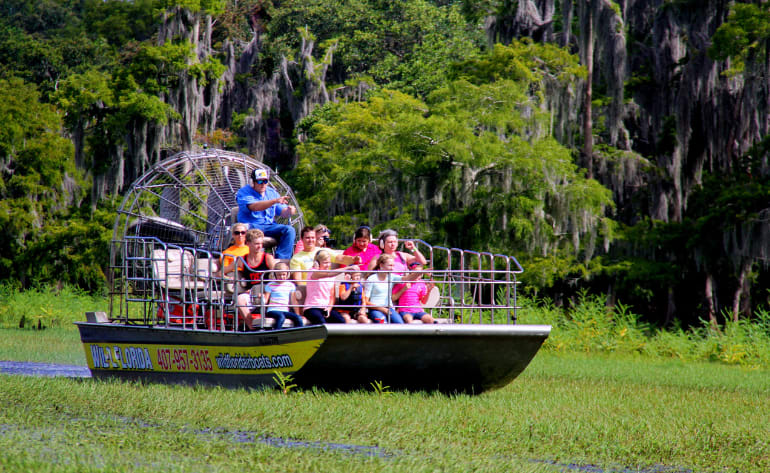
171, 312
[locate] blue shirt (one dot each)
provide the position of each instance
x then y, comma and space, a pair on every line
246, 196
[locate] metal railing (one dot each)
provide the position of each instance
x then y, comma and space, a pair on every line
160, 284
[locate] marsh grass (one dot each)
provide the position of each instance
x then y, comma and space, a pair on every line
45, 307
590, 326
55, 345
606, 390
614, 413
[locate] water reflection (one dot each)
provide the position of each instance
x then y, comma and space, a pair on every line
29, 368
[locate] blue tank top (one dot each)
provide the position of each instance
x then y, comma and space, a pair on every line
354, 299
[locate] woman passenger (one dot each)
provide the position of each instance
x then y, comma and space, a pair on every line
362, 246
238, 247
401, 260
257, 261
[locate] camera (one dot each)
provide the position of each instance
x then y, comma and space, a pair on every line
329, 241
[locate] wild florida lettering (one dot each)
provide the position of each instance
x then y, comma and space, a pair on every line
133, 358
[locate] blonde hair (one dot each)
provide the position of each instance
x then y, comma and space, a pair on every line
323, 255
280, 266
235, 226
253, 234
381, 260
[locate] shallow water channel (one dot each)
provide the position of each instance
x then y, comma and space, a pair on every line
28, 368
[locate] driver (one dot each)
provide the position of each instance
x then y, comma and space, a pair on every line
259, 204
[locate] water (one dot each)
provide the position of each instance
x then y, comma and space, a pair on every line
50, 370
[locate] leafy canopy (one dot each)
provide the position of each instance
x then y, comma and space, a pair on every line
744, 36
477, 153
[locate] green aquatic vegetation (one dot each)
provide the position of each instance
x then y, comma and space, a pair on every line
622, 413
46, 306
285, 382
55, 345
589, 325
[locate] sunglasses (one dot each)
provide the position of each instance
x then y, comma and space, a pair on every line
239, 233
261, 181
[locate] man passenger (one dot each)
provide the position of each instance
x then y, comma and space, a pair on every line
303, 260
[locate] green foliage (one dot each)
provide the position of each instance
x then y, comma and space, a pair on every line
76, 252
210, 7
744, 36
379, 388
120, 22
402, 45
39, 179
284, 382
41, 42
521, 61
48, 305
493, 178
589, 325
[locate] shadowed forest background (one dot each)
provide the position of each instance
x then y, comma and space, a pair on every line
618, 147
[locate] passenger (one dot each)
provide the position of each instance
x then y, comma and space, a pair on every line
363, 247
352, 300
258, 205
305, 259
322, 239
320, 291
281, 297
412, 295
401, 260
256, 263
378, 290
238, 247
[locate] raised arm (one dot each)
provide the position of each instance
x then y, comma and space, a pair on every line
413, 254
266, 204
332, 272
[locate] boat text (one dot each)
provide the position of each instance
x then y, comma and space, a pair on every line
133, 358
226, 361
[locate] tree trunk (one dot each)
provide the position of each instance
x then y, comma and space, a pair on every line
588, 147
741, 289
710, 301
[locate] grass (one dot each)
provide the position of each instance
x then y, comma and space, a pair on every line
606, 390
54, 345
615, 413
46, 307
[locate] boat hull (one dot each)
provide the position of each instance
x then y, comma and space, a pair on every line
171, 355
442, 357
439, 357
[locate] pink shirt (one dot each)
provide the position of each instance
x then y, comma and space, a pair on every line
411, 299
371, 251
319, 292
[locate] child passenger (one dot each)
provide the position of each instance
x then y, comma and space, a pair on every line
352, 301
412, 295
378, 289
281, 296
320, 291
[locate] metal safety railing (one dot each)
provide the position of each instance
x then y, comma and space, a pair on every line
155, 283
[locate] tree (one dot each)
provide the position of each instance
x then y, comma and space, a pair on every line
38, 178
473, 166
402, 45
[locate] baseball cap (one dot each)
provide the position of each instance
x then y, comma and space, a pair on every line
258, 174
